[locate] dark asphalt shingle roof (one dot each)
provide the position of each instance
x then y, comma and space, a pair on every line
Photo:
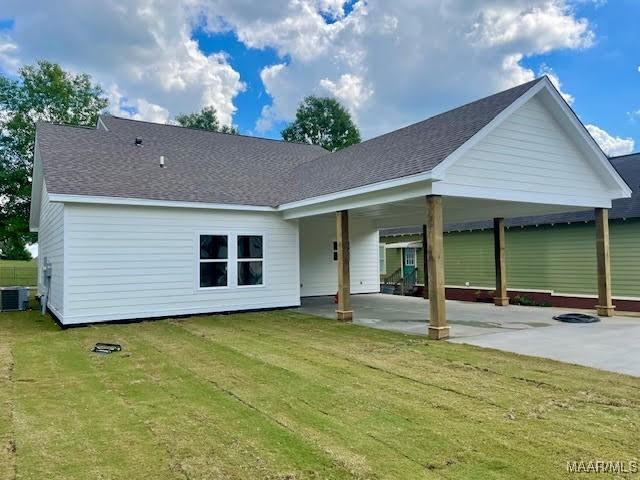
201, 166
211, 167
628, 166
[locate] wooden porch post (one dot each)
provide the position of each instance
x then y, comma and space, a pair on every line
605, 305
344, 311
438, 327
501, 299
425, 264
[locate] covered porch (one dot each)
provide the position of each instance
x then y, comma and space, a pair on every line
519, 153
433, 317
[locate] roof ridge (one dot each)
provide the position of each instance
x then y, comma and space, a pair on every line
62, 124
208, 131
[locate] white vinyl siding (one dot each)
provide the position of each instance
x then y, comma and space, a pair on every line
51, 247
527, 154
140, 262
318, 270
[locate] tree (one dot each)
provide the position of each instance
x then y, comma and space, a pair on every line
43, 91
322, 121
10, 249
205, 119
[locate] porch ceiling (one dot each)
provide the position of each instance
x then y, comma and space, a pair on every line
456, 210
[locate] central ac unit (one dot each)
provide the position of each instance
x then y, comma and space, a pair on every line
14, 298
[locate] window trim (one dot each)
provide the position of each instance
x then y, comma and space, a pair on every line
228, 260
382, 258
238, 260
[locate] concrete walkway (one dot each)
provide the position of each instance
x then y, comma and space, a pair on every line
608, 345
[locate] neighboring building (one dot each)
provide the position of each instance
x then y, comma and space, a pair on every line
551, 258
140, 220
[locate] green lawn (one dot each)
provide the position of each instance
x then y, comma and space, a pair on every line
282, 395
18, 272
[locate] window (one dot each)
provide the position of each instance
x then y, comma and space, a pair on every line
335, 251
409, 257
250, 260
383, 259
214, 257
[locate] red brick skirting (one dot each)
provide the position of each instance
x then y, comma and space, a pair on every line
471, 295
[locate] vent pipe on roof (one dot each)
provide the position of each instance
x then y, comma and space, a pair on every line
138, 141
161, 161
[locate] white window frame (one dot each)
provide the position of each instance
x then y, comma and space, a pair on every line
414, 257
238, 260
228, 260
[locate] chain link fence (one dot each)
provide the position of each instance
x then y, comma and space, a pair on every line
24, 276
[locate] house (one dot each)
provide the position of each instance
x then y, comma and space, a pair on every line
138, 220
552, 257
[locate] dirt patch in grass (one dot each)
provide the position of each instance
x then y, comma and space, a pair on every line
287, 396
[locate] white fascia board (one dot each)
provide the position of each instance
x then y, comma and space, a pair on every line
441, 169
373, 187
376, 197
466, 191
586, 138
142, 202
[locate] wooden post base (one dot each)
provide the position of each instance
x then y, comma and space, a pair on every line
344, 315
605, 311
501, 301
438, 333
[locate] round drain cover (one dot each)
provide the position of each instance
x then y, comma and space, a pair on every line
576, 318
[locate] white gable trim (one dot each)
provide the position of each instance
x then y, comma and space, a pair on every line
62, 198
37, 183
598, 159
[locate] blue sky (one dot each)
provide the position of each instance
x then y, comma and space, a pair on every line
390, 63
605, 78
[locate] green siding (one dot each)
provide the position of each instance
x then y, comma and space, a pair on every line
559, 258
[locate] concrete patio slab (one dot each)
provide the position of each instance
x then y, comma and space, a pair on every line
611, 344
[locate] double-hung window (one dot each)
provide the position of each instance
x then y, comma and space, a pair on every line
214, 261
250, 260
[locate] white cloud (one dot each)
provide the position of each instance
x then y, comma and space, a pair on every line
610, 144
411, 58
143, 48
391, 63
8, 52
349, 89
537, 29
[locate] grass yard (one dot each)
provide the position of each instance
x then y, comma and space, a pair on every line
282, 395
18, 272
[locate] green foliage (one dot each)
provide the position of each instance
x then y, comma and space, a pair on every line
205, 119
322, 121
13, 249
42, 92
529, 302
